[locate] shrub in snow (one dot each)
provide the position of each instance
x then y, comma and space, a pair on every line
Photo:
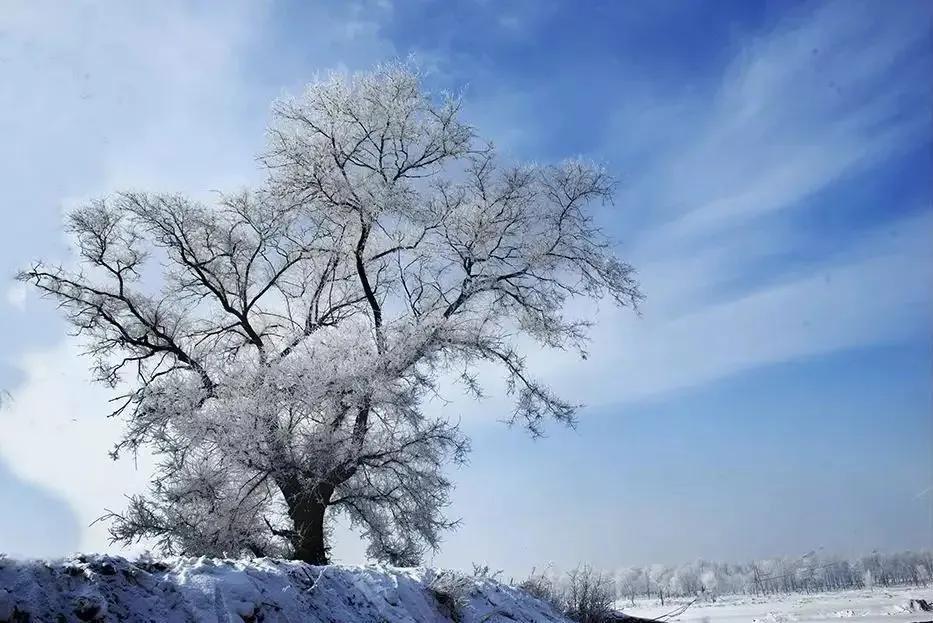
485, 571
452, 590
545, 589
582, 594
589, 596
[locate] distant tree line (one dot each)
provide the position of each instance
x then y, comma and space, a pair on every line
587, 595
813, 572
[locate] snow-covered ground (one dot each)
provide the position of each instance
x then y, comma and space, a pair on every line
104, 588
859, 606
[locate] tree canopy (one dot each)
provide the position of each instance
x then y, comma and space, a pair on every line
274, 349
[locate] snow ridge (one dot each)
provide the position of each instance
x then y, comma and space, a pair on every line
176, 590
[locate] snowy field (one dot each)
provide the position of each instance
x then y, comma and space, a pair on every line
861, 606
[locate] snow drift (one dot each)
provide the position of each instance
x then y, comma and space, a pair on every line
106, 588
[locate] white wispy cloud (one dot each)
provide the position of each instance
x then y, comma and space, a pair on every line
807, 107
795, 112
878, 295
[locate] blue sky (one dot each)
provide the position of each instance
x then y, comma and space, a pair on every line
774, 164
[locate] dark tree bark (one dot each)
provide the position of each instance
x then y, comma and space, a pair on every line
307, 510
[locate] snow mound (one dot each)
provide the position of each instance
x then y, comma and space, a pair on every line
107, 588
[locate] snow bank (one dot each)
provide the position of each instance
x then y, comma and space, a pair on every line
106, 588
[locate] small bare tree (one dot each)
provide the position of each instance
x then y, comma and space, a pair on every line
276, 348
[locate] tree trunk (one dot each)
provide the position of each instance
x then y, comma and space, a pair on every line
308, 542
306, 510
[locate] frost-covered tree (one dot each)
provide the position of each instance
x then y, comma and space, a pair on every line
660, 576
629, 582
275, 349
686, 580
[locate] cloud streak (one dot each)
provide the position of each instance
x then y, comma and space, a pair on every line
875, 298
733, 279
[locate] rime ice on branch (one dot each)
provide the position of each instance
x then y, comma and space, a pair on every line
278, 368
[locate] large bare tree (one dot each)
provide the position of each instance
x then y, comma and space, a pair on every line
274, 350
